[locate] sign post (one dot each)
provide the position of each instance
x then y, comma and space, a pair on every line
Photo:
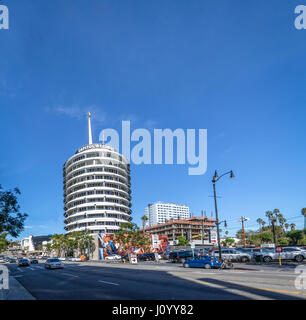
279, 250
192, 245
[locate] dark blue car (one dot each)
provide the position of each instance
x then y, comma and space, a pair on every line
206, 262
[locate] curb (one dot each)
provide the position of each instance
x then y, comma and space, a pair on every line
247, 269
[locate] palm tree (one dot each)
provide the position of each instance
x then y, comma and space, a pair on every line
261, 224
269, 215
144, 219
292, 226
286, 226
304, 214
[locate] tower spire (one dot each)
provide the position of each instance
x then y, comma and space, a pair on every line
89, 128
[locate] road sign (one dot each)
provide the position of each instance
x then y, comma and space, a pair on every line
133, 258
192, 245
155, 241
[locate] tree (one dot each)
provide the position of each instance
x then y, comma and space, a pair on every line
228, 242
58, 243
292, 226
144, 219
283, 241
295, 236
182, 241
85, 242
48, 248
11, 220
3, 242
130, 236
261, 224
303, 211
267, 237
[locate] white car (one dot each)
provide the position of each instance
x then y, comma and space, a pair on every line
62, 259
76, 259
113, 257
54, 263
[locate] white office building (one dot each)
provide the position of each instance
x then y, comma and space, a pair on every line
97, 189
161, 212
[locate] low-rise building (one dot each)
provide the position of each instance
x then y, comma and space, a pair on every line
199, 230
32, 244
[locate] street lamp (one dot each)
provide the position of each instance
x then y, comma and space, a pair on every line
214, 180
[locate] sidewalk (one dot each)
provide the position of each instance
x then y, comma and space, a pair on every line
15, 292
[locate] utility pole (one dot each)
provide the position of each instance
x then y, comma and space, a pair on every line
243, 232
202, 227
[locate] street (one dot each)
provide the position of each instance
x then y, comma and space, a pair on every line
149, 281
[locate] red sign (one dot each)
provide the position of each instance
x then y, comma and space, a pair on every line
278, 249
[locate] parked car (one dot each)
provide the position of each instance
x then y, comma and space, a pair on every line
33, 261
146, 257
233, 255
206, 262
114, 257
181, 256
43, 257
11, 260
62, 259
54, 263
288, 253
23, 262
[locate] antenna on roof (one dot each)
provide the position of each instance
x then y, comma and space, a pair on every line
89, 128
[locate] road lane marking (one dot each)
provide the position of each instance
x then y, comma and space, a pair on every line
18, 276
115, 284
20, 269
69, 274
39, 267
282, 291
32, 269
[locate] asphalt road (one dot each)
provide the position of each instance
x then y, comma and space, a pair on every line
96, 281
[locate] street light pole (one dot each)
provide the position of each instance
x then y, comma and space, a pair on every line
217, 220
215, 179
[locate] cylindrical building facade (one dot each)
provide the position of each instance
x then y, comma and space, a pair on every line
97, 190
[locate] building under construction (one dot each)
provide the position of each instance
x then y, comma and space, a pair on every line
199, 230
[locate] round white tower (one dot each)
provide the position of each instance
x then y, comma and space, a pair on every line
97, 189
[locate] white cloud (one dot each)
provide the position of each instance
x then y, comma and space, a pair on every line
79, 113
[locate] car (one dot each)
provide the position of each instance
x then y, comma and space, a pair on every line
181, 256
146, 257
233, 255
288, 253
33, 261
23, 262
43, 257
54, 263
206, 262
11, 260
114, 257
62, 259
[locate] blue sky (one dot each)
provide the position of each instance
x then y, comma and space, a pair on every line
235, 68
